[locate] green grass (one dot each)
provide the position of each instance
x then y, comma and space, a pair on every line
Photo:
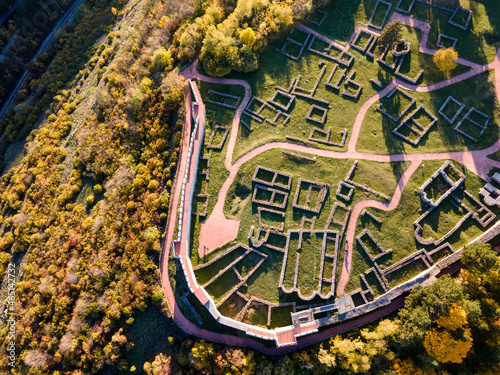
204, 274
289, 277
256, 315
376, 133
442, 219
280, 316
222, 285
247, 264
380, 13
372, 280
271, 218
264, 283
405, 273
437, 188
344, 15
277, 69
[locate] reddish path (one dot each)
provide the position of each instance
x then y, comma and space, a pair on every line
476, 161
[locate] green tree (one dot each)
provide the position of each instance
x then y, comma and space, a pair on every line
219, 53
162, 60
479, 259
391, 35
247, 60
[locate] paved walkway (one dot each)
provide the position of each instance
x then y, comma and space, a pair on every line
218, 230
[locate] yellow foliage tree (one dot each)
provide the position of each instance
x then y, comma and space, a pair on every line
247, 36
407, 367
446, 60
457, 317
441, 345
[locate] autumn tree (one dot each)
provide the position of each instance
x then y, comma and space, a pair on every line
247, 36
391, 35
219, 53
162, 60
446, 60
161, 365
442, 345
450, 341
202, 355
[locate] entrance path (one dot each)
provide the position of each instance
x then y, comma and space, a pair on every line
191, 72
217, 229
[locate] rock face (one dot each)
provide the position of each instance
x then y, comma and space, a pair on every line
405, 51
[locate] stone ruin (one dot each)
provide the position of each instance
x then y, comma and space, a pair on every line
323, 188
402, 113
379, 3
453, 178
273, 201
454, 15
277, 180
293, 41
442, 37
443, 108
315, 108
331, 237
322, 19
299, 156
491, 191
444, 172
223, 97
468, 118
414, 126
327, 136
214, 133
405, 10
349, 82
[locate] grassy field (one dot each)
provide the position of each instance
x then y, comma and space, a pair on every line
264, 283
277, 69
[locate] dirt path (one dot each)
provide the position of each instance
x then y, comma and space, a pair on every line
358, 208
